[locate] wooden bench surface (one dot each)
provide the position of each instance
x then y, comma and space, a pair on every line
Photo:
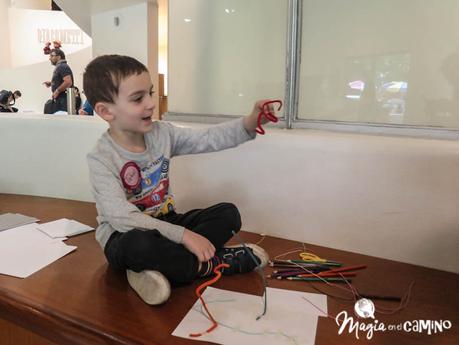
80, 300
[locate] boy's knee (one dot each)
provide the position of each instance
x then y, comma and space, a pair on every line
232, 215
139, 244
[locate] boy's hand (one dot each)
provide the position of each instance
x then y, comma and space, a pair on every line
251, 121
198, 245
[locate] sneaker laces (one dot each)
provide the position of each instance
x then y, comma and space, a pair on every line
239, 260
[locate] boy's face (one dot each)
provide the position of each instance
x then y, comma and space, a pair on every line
132, 110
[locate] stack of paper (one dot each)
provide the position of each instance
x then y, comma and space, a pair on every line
291, 317
63, 227
25, 250
12, 220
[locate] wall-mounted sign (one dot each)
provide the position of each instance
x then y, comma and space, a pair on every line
65, 36
31, 29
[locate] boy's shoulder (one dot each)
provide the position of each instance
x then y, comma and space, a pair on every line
106, 149
102, 149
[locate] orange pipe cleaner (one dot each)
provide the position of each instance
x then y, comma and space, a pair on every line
198, 293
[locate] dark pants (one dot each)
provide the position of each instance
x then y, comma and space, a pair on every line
61, 102
139, 250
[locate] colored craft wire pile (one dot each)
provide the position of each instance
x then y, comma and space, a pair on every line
313, 269
309, 268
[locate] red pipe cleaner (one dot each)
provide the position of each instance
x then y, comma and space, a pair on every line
266, 112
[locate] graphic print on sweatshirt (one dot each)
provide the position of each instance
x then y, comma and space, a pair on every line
148, 187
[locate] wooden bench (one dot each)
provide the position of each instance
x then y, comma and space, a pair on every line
80, 300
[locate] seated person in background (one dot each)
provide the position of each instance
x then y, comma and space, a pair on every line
7, 100
86, 109
77, 99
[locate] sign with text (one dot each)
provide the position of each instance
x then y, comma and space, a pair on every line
31, 29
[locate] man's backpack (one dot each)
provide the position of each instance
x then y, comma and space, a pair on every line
50, 107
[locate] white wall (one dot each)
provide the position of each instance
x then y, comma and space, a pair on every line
79, 11
389, 197
128, 38
31, 29
46, 155
31, 4
162, 40
135, 35
5, 58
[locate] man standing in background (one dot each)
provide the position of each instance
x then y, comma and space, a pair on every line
61, 80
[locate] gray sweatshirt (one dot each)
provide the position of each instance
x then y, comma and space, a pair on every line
132, 189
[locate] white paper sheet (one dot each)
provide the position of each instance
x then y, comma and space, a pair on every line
25, 250
12, 220
64, 227
290, 318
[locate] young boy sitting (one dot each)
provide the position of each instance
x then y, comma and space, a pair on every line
139, 229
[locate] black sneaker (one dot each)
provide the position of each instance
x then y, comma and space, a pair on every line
239, 260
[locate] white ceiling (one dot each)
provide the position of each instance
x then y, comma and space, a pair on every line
81, 11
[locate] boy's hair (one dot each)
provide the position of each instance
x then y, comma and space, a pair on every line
103, 75
59, 52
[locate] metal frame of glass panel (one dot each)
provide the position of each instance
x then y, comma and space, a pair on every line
291, 120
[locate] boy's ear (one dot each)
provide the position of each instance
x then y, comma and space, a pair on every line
103, 110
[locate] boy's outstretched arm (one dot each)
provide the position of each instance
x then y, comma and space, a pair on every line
251, 121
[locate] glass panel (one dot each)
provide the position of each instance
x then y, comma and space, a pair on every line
386, 61
224, 55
